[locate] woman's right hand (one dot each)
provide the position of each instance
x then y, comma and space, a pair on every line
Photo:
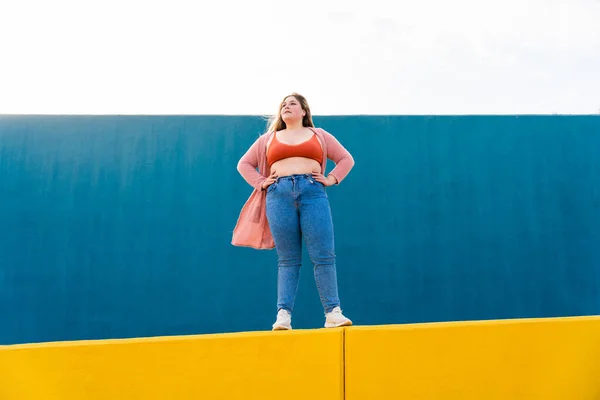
269, 181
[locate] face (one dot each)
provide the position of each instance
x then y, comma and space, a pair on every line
291, 109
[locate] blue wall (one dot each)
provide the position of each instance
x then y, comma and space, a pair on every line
115, 226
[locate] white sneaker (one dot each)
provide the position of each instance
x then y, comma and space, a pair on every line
335, 318
284, 321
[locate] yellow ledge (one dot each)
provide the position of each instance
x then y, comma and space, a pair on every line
256, 365
533, 359
553, 358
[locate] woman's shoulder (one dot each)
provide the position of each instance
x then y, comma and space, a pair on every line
323, 133
320, 130
264, 136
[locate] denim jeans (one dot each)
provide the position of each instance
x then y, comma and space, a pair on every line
298, 207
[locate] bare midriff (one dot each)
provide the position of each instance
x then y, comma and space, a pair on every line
295, 166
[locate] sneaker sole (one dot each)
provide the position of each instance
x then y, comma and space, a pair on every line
282, 328
345, 323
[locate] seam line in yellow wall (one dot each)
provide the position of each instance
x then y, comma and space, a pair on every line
344, 364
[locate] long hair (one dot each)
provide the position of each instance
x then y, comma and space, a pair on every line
275, 123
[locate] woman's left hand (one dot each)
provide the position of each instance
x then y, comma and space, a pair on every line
330, 180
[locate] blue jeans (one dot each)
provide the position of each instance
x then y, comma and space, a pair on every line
297, 207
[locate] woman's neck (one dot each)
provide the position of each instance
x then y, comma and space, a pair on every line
294, 126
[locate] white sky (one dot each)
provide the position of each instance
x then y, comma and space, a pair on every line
346, 57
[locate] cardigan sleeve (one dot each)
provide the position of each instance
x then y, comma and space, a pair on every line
248, 163
340, 156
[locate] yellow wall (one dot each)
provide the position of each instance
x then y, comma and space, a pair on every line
513, 359
266, 365
519, 359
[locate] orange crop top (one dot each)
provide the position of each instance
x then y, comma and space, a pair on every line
310, 148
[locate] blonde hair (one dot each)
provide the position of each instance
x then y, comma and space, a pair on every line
275, 123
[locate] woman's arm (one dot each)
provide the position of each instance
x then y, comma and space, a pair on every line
340, 156
247, 166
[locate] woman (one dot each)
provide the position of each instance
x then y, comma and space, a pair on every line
289, 202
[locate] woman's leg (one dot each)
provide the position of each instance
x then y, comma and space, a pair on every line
282, 215
317, 228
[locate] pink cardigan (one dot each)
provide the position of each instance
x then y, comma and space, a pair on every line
252, 228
